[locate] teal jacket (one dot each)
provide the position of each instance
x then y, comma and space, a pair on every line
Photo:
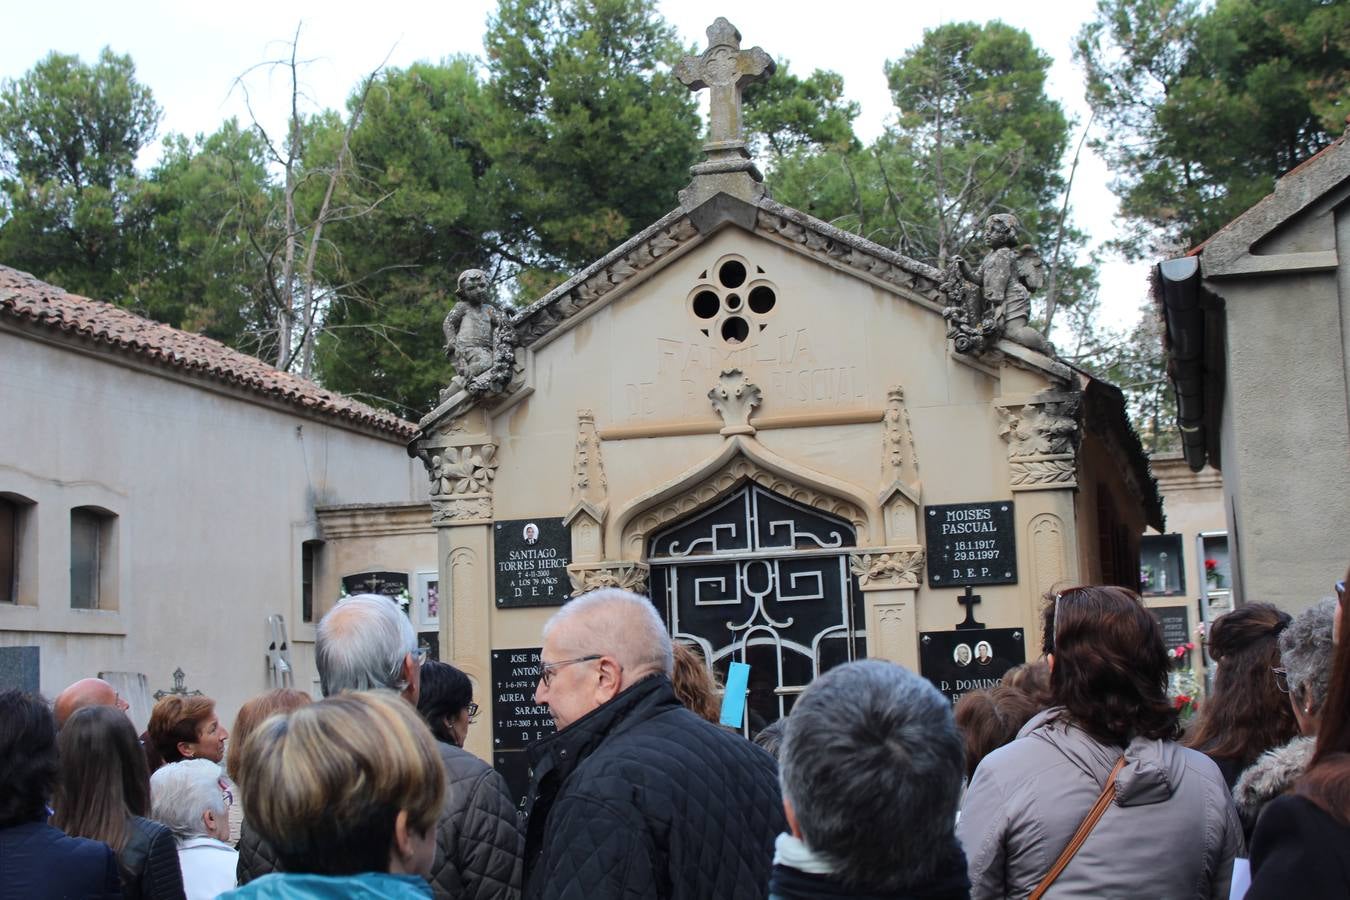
366, 886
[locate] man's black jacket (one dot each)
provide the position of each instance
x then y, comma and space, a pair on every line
642, 798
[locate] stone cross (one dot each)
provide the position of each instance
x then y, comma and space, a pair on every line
726, 70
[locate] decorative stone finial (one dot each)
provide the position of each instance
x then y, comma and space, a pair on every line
590, 490
735, 398
993, 301
726, 70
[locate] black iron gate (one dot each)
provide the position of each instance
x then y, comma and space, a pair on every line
758, 578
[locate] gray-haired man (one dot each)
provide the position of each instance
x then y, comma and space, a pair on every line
636, 796
871, 765
367, 643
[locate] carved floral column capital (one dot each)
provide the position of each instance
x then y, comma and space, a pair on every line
1042, 436
461, 483
630, 576
888, 568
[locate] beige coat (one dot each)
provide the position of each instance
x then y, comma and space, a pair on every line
1172, 832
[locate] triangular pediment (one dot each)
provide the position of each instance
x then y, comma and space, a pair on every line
647, 252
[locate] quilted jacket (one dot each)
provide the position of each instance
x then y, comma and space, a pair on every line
478, 839
149, 862
256, 856
641, 798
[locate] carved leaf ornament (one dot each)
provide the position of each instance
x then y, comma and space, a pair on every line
901, 567
468, 470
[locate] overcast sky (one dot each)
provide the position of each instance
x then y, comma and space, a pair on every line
191, 53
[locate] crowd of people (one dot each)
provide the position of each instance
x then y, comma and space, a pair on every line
1072, 777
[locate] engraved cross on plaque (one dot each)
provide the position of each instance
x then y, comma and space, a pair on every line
968, 600
726, 70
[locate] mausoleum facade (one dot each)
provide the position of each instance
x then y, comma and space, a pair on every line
764, 423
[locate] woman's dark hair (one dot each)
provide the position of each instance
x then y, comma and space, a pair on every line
445, 692
1245, 714
1110, 670
991, 718
1327, 780
28, 762
103, 779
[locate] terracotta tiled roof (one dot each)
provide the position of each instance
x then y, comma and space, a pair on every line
46, 306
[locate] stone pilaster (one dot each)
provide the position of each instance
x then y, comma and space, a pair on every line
889, 578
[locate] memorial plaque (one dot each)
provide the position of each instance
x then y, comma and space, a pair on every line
971, 544
960, 661
390, 584
1176, 627
517, 722
531, 558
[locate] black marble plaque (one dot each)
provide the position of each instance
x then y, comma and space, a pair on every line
971, 544
1176, 628
390, 584
514, 768
531, 557
517, 721
961, 661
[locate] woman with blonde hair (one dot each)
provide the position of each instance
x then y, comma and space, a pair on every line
346, 791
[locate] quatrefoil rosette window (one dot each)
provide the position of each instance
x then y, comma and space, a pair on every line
733, 300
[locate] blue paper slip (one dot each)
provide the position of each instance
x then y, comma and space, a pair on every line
733, 701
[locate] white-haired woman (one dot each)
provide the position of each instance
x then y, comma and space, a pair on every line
192, 798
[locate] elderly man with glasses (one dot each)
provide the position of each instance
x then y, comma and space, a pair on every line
636, 796
366, 643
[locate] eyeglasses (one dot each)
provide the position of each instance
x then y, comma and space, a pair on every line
420, 655
1340, 588
225, 791
1054, 622
544, 671
1281, 678
472, 709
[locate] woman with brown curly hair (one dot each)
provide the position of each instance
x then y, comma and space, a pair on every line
1245, 714
1169, 828
694, 684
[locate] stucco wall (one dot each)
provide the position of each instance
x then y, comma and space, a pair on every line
213, 495
1286, 456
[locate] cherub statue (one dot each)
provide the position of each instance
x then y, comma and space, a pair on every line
479, 340
994, 300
